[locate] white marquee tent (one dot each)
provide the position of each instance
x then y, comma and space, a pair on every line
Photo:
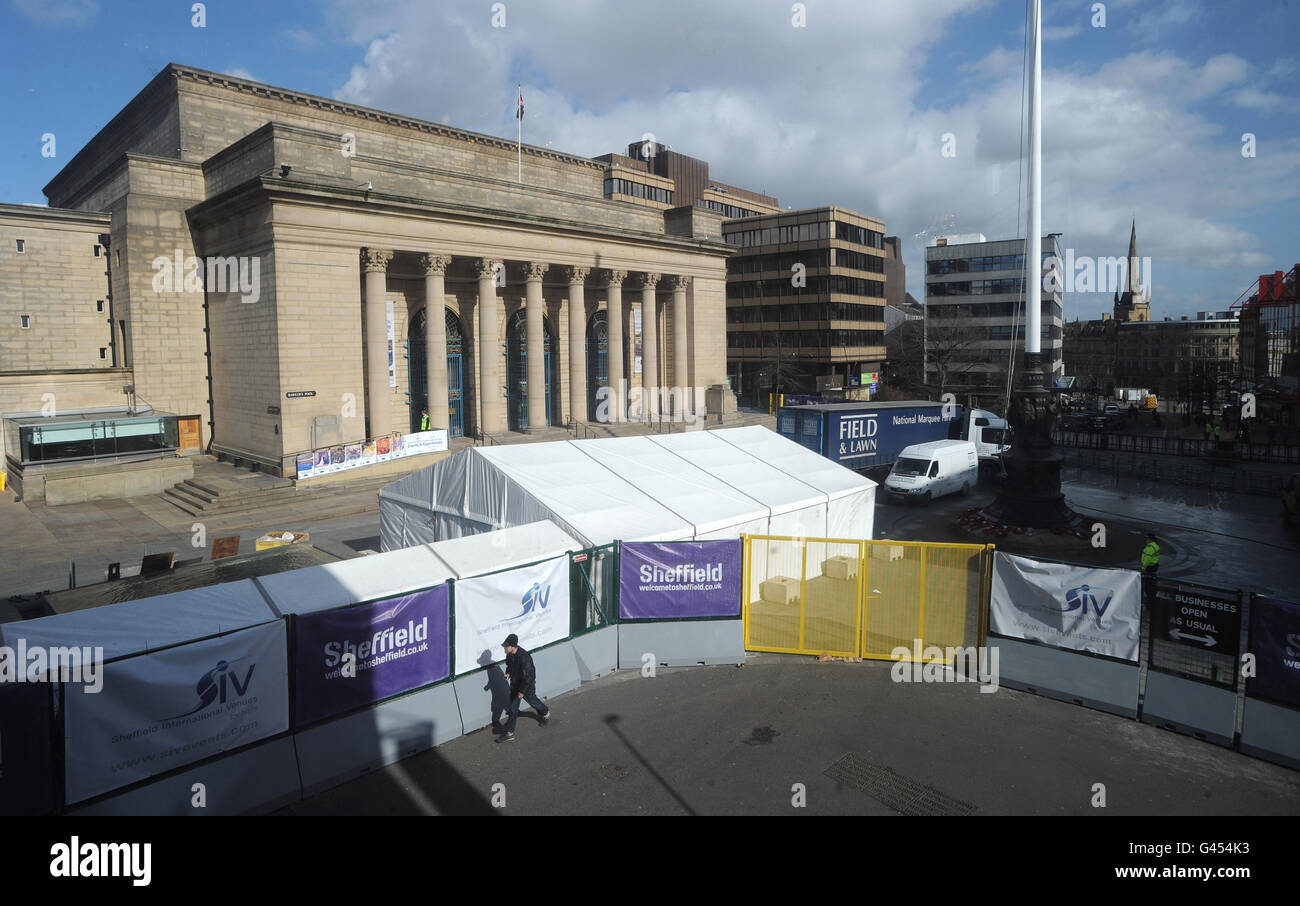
148, 624
794, 508
713, 507
694, 485
849, 512
396, 572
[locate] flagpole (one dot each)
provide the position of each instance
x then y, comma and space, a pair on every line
519, 143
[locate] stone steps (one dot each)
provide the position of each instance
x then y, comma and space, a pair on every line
209, 498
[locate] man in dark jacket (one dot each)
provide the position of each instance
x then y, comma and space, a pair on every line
523, 685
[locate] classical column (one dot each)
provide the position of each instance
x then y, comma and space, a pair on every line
616, 398
577, 343
435, 338
489, 354
649, 346
379, 396
681, 368
535, 337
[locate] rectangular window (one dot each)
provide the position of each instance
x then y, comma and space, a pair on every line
22, 245
99, 305
103, 352
98, 250
26, 321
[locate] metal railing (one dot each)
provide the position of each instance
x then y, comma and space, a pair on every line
1200, 474
1179, 446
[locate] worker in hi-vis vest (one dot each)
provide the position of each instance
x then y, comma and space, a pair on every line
1151, 555
1150, 564
424, 421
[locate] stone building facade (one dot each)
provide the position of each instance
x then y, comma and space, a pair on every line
805, 301
262, 239
975, 320
1184, 358
60, 345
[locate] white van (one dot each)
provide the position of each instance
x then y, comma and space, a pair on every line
925, 471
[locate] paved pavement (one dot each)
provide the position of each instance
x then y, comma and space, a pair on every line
40, 542
736, 741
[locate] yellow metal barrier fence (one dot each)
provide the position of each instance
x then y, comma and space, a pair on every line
846, 597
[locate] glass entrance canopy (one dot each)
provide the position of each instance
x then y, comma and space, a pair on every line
81, 436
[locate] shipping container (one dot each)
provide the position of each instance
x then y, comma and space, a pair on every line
862, 435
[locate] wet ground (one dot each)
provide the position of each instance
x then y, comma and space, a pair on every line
1215, 537
1223, 538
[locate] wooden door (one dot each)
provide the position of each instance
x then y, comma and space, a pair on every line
188, 426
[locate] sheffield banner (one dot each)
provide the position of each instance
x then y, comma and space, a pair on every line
161, 711
532, 602
1275, 641
355, 656
25, 756
1094, 610
669, 580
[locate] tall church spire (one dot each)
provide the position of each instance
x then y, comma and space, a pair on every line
1130, 302
1134, 284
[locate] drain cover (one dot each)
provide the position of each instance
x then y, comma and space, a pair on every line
897, 791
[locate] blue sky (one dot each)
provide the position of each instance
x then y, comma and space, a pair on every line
1144, 116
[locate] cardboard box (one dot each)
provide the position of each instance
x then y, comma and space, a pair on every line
780, 590
843, 567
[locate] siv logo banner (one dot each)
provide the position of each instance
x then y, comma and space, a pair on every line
211, 687
534, 597
531, 602
103, 860
1085, 596
1068, 606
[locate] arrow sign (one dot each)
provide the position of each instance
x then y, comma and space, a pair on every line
1207, 640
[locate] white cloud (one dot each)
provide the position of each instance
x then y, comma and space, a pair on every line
1284, 67
1060, 32
58, 12
301, 36
823, 115
1170, 14
1266, 101
240, 72
999, 62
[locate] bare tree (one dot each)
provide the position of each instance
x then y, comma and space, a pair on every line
950, 349
905, 360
